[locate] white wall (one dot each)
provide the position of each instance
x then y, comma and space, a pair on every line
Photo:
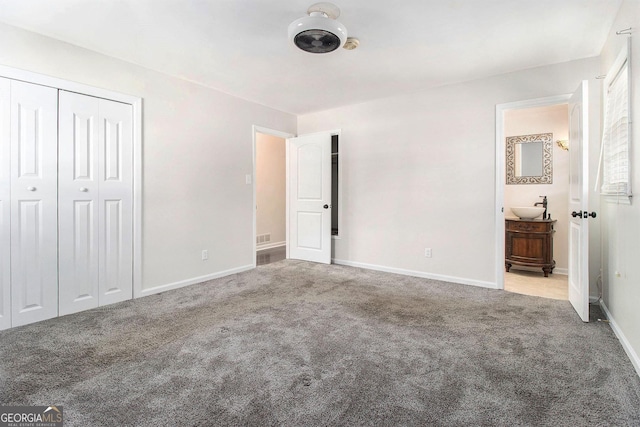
197, 149
419, 171
271, 175
621, 223
552, 119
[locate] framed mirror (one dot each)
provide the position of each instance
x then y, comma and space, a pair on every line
530, 159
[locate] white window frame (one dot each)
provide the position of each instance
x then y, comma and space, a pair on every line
620, 68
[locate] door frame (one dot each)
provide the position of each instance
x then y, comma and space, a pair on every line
255, 129
501, 169
136, 103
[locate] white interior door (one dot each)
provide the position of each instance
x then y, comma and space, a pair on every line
78, 157
309, 171
34, 182
5, 204
579, 202
116, 202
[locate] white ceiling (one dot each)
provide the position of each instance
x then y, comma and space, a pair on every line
241, 47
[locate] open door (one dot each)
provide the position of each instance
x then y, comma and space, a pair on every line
579, 202
309, 170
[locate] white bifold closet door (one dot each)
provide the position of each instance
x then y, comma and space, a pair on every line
33, 175
95, 202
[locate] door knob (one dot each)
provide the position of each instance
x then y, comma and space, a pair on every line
326, 206
31, 188
84, 189
584, 214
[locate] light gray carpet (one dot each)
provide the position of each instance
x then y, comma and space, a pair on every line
296, 343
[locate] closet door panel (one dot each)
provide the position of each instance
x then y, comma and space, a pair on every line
116, 202
5, 205
34, 262
78, 184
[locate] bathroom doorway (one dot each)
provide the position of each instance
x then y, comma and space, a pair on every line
522, 127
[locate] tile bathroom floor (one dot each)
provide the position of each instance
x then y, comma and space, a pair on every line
556, 286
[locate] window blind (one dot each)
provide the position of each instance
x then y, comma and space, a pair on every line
615, 155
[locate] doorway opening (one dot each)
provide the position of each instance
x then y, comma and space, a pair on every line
269, 195
517, 185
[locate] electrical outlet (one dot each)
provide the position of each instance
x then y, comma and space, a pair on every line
427, 252
205, 255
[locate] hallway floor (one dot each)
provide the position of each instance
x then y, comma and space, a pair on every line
267, 256
556, 286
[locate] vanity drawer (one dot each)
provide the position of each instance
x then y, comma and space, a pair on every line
528, 226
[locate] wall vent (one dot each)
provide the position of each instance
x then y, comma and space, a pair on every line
263, 238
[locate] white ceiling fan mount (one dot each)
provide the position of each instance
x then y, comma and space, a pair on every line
329, 9
320, 31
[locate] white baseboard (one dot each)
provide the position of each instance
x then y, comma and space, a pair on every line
460, 280
270, 246
635, 359
192, 281
561, 271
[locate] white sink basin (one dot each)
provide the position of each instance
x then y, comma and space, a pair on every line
527, 212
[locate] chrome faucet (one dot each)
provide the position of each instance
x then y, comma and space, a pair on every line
544, 205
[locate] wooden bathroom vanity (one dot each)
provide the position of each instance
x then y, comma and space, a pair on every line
529, 243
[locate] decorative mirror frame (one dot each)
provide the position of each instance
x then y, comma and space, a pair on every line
547, 159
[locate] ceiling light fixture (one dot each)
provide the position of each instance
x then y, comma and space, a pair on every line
320, 32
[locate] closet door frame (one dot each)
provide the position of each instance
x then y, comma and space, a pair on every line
136, 103
5, 204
